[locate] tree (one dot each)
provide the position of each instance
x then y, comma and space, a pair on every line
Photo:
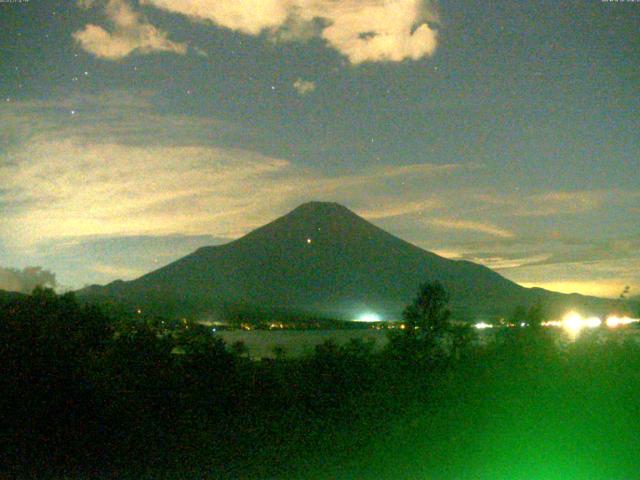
518, 316
532, 317
535, 316
239, 348
428, 312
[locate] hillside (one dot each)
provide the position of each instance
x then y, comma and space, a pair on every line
323, 258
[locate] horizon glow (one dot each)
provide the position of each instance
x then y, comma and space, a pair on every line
368, 317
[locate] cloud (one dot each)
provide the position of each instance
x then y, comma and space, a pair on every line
400, 209
304, 86
597, 288
560, 262
105, 172
455, 224
361, 30
79, 261
123, 273
601, 277
67, 187
549, 251
503, 261
561, 203
594, 250
25, 280
130, 33
550, 203
117, 116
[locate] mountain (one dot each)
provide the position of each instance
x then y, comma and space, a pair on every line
324, 259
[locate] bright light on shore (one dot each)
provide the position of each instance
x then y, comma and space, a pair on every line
573, 323
614, 321
482, 325
368, 317
552, 323
592, 322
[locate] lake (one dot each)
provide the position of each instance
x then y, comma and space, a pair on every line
260, 343
296, 343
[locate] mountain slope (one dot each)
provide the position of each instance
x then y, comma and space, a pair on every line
322, 258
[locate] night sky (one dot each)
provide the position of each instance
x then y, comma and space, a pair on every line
506, 133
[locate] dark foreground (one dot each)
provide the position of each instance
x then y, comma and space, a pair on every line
86, 395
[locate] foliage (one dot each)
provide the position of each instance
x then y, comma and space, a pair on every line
88, 395
531, 317
428, 312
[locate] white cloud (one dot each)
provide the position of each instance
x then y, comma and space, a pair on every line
112, 271
601, 278
69, 187
400, 209
481, 227
550, 203
361, 30
304, 86
597, 288
107, 173
130, 33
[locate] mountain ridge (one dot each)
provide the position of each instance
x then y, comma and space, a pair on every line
323, 258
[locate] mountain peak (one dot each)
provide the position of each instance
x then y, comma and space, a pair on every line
311, 220
324, 258
321, 208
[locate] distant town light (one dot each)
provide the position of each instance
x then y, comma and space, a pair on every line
573, 323
552, 323
482, 325
368, 317
592, 322
615, 321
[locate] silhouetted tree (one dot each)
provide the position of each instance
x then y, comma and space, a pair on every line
461, 337
535, 316
428, 311
518, 316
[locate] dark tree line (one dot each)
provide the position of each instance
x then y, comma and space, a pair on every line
91, 393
